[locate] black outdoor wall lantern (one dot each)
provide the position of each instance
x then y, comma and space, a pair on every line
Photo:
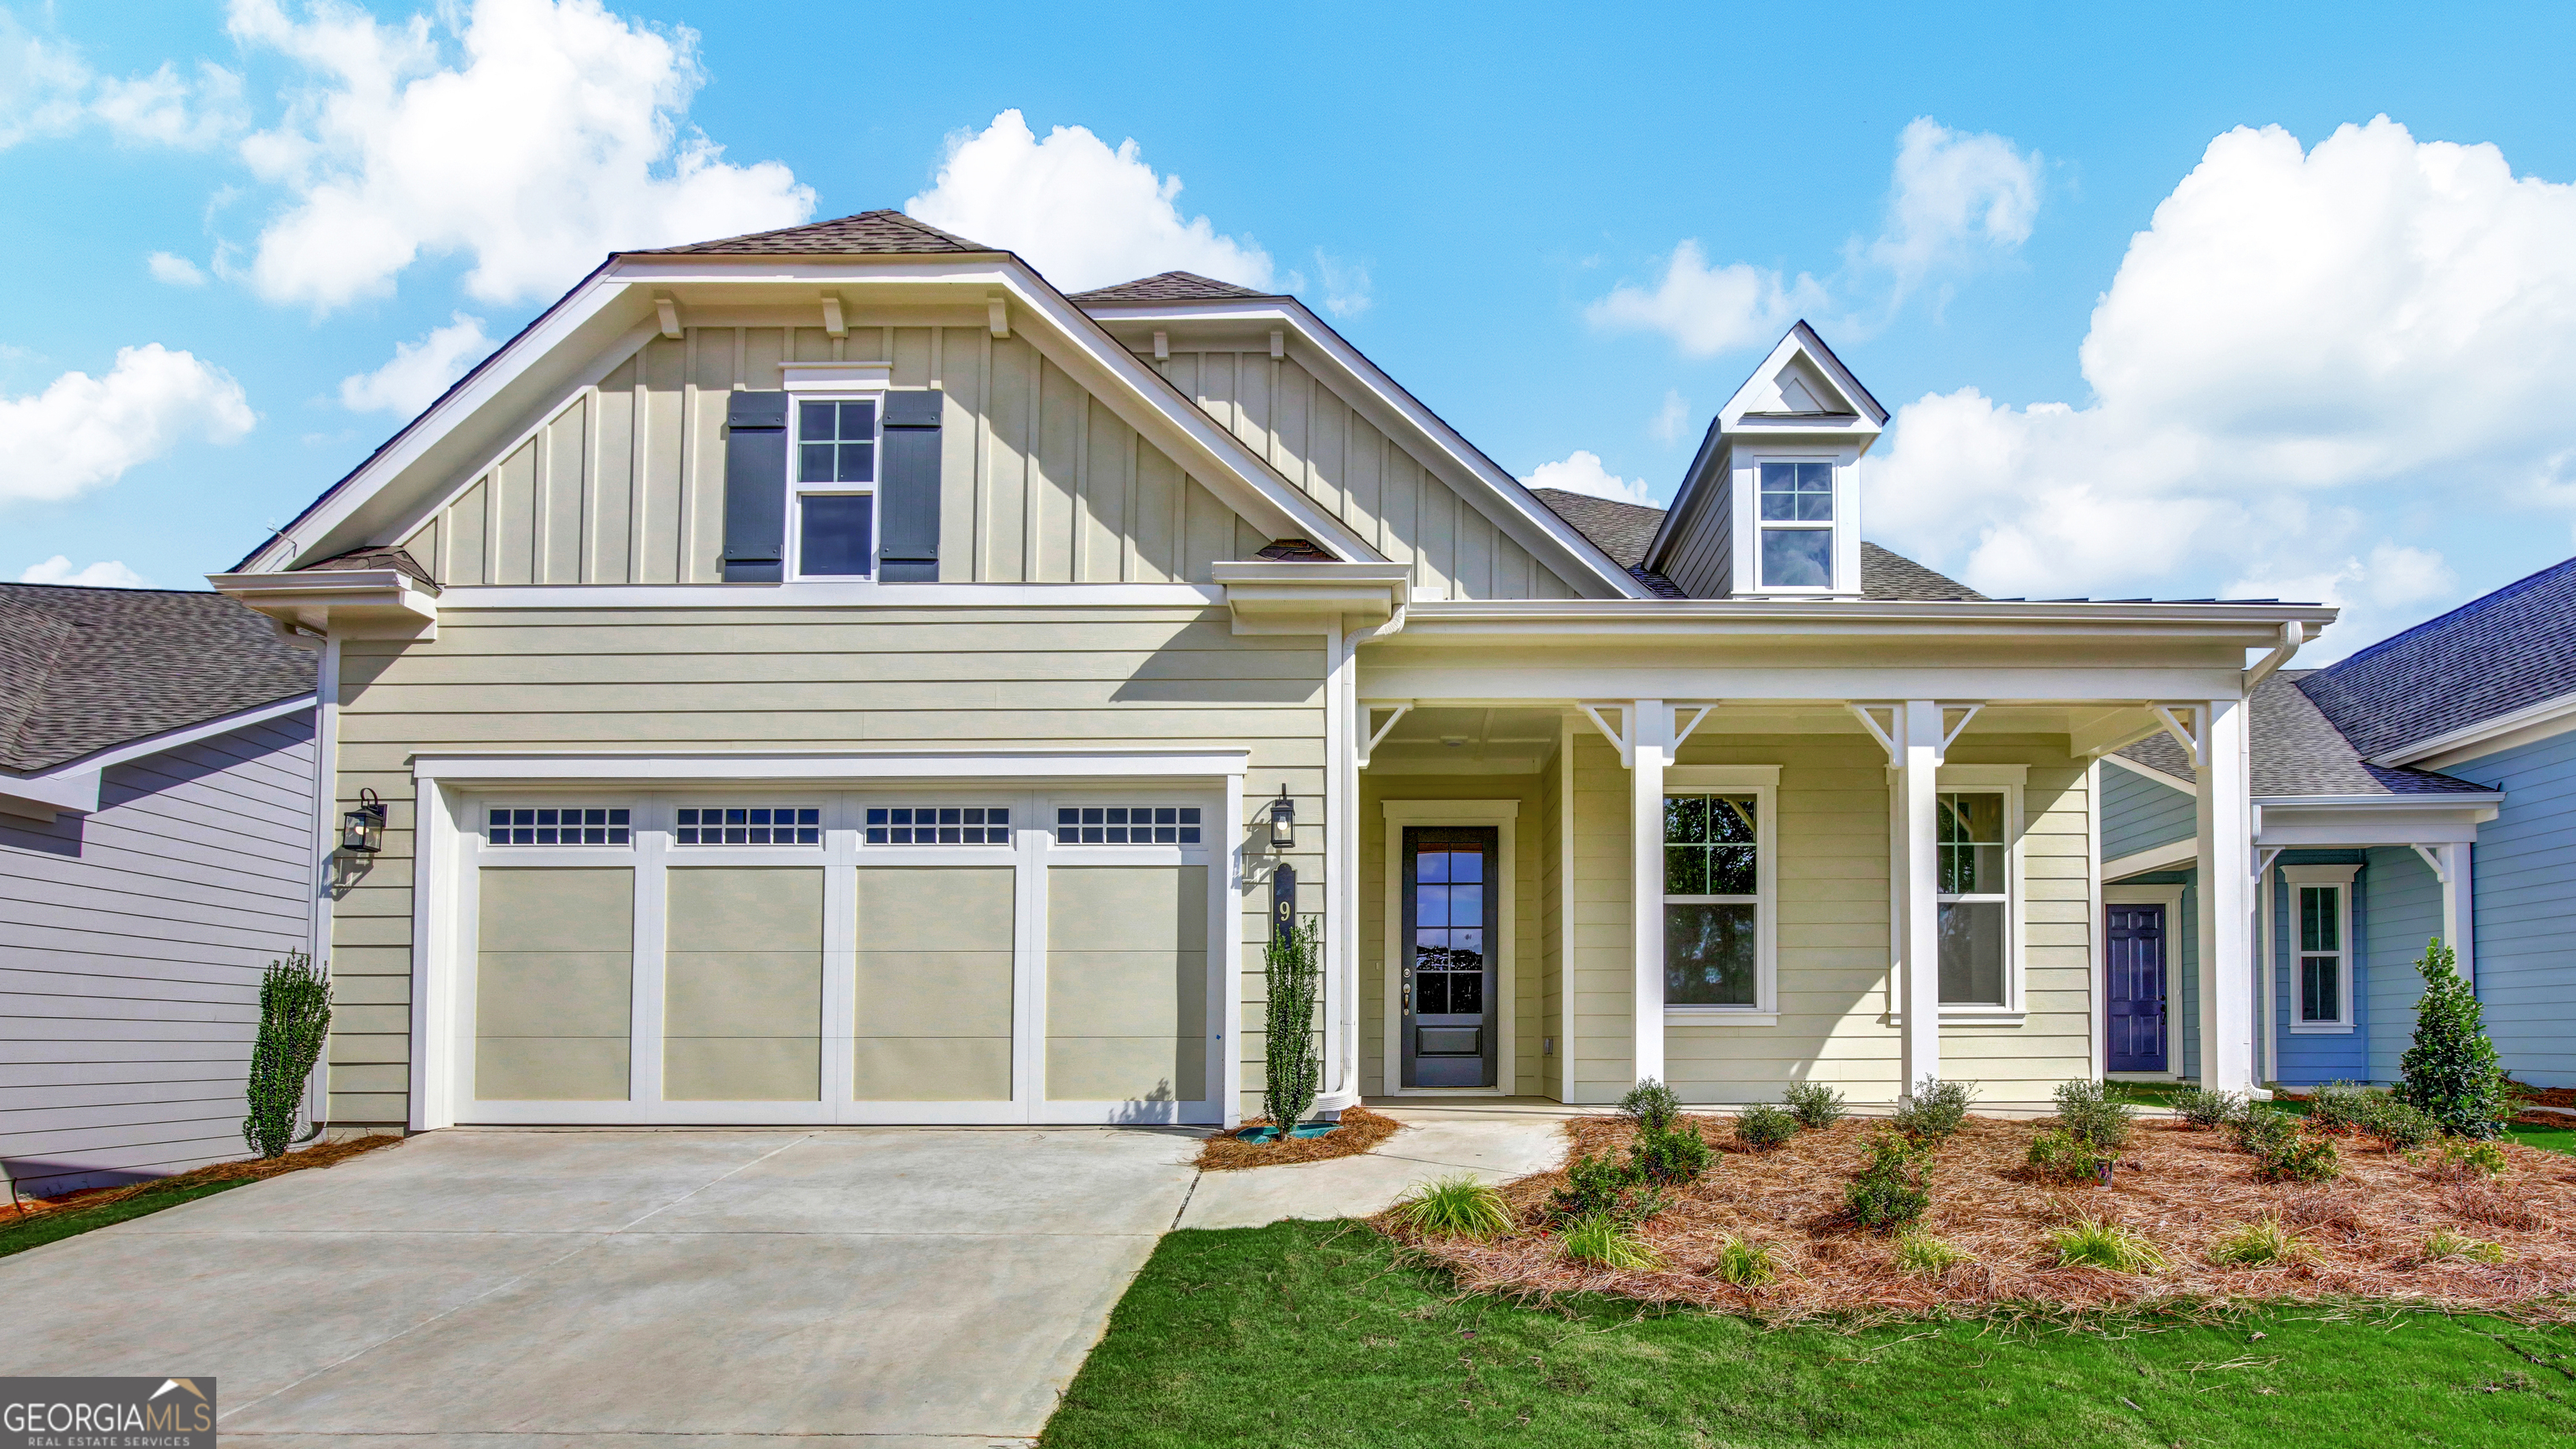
363, 830
1283, 822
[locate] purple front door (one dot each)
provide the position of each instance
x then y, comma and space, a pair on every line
2135, 1003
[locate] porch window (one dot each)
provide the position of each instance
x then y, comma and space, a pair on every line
1712, 900
2324, 958
1797, 538
1975, 898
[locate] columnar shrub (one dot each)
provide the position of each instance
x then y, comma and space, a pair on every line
1815, 1105
2451, 1072
1763, 1126
294, 1020
1292, 1069
1889, 1192
1935, 1109
2086, 1111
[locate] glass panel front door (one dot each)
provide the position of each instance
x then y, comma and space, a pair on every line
1449, 987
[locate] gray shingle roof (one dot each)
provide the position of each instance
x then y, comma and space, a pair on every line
1624, 531
2296, 750
2488, 657
1167, 287
882, 233
84, 669
377, 557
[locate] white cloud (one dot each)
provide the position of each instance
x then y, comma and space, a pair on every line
105, 574
1671, 418
48, 89
1345, 285
1707, 310
1581, 472
175, 270
555, 138
1953, 196
2302, 346
1085, 216
83, 431
42, 85
419, 371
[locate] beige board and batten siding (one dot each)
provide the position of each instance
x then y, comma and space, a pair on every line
1329, 448
1521, 974
1833, 949
624, 481
631, 681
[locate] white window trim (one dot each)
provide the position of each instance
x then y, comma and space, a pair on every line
2340, 877
1834, 529
1762, 782
1504, 815
798, 491
2010, 781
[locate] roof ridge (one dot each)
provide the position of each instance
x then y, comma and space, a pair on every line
882, 216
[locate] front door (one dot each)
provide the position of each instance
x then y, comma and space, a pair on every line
2135, 1003
1451, 898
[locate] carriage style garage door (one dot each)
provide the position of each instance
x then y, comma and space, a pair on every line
777, 955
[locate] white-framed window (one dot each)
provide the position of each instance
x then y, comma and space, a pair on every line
2320, 946
1974, 873
1794, 540
558, 825
834, 465
1719, 892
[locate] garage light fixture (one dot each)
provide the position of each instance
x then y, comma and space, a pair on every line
1283, 822
363, 830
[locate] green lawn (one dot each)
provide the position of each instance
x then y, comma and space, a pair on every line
2160, 1094
18, 1235
1313, 1334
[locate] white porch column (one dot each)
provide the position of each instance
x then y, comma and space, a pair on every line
1918, 737
2459, 908
2226, 818
1649, 731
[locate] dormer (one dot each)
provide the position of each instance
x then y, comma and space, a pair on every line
1771, 505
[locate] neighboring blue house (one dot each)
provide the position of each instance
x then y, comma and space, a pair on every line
2424, 787
158, 847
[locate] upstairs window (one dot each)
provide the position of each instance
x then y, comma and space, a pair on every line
1797, 525
836, 474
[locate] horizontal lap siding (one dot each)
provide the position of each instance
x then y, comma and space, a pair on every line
2525, 943
131, 945
1530, 883
2398, 913
2054, 1042
2139, 814
1602, 969
772, 679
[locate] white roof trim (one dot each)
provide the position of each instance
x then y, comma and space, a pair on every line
1537, 522
2172, 855
74, 785
2461, 799
1801, 341
1106, 761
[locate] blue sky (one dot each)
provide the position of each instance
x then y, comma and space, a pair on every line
2326, 361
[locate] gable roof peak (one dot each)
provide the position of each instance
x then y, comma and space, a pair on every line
882, 232
1801, 383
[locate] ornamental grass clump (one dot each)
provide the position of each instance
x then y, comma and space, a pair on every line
1815, 1105
2446, 1244
1604, 1240
2061, 1157
2098, 1243
1934, 1110
1746, 1263
2208, 1107
2450, 1073
2260, 1244
1763, 1126
1920, 1252
294, 1020
1454, 1207
1889, 1193
2087, 1113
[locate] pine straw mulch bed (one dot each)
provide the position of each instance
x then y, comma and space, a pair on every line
1361, 1131
321, 1154
2179, 1186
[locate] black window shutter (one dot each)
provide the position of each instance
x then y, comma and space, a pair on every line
908, 489
755, 536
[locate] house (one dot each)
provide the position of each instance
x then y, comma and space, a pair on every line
2413, 791
158, 848
831, 675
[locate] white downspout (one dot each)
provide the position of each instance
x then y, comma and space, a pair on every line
1343, 729
326, 843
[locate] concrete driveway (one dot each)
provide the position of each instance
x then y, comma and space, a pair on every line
906, 1286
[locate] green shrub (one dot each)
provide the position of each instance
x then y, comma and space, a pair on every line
2207, 1107
2301, 1158
2466, 1157
1604, 1239
2447, 1244
1889, 1192
1935, 1109
2058, 1155
1292, 1063
1920, 1252
1745, 1263
2450, 1072
2094, 1243
2260, 1129
1763, 1126
1454, 1207
1604, 1185
2400, 1126
1651, 1105
2340, 1106
2258, 1244
1815, 1105
1670, 1157
294, 1020
2092, 1118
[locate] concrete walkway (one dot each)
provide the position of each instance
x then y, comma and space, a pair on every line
914, 1287
1492, 1141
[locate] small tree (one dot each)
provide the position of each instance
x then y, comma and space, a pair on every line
1292, 1069
2451, 1074
294, 1020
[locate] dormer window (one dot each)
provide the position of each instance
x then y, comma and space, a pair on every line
1797, 544
836, 474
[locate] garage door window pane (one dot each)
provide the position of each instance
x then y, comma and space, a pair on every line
938, 825
748, 825
1128, 825
556, 825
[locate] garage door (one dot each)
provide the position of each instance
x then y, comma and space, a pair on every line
812, 957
